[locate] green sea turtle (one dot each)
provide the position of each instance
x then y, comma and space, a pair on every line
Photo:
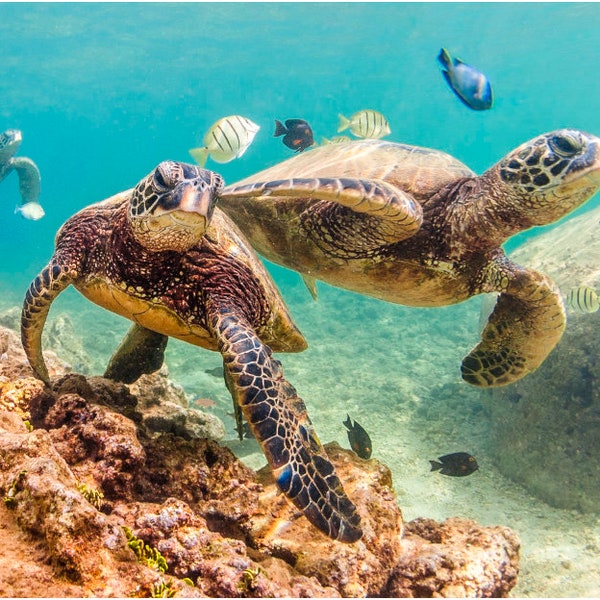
26, 169
417, 227
164, 257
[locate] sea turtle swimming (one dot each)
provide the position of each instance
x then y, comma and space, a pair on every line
26, 169
164, 257
417, 227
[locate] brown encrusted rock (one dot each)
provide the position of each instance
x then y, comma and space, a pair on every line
83, 432
457, 558
220, 566
41, 494
165, 409
214, 520
203, 474
357, 569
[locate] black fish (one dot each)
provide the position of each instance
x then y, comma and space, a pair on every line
457, 464
298, 134
359, 439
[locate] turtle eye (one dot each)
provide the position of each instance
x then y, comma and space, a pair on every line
565, 145
159, 179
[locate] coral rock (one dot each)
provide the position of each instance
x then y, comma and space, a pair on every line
457, 558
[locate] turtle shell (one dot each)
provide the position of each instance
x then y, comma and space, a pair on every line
418, 171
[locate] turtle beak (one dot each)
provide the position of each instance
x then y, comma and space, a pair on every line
191, 198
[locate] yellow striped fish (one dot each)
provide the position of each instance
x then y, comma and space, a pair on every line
583, 299
366, 124
226, 139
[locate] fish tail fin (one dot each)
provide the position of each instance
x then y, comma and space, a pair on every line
348, 423
344, 123
445, 58
199, 155
17, 209
435, 465
279, 128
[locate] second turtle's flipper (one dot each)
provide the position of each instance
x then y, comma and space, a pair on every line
278, 419
29, 178
399, 214
141, 351
525, 325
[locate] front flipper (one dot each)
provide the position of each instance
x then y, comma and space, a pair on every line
41, 293
141, 351
399, 213
278, 419
525, 325
29, 179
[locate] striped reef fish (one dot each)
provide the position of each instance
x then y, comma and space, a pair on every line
366, 124
583, 299
337, 139
226, 139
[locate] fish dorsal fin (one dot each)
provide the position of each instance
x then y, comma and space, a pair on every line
311, 283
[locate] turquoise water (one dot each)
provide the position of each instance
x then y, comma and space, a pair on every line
103, 92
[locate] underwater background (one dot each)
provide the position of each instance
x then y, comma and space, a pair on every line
104, 92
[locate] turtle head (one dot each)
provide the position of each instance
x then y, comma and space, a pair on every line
10, 140
171, 208
552, 174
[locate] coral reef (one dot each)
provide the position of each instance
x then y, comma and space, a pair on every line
545, 427
96, 503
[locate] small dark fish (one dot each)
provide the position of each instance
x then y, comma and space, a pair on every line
297, 134
216, 372
242, 428
457, 464
470, 85
359, 439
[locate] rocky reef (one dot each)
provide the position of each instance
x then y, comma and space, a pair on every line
107, 493
545, 427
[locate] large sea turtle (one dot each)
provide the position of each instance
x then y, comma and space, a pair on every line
26, 169
164, 257
417, 227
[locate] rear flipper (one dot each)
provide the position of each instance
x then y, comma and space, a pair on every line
525, 325
278, 419
141, 351
29, 179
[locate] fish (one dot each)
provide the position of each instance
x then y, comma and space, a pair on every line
471, 86
337, 139
297, 134
366, 124
32, 211
216, 372
457, 464
226, 139
583, 299
359, 439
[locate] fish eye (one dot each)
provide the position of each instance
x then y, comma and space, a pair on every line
565, 145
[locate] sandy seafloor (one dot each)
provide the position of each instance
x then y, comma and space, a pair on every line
396, 371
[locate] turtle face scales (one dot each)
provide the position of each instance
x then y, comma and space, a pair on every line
553, 173
171, 208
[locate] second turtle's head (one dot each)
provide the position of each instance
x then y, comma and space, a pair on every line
171, 208
552, 174
10, 140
